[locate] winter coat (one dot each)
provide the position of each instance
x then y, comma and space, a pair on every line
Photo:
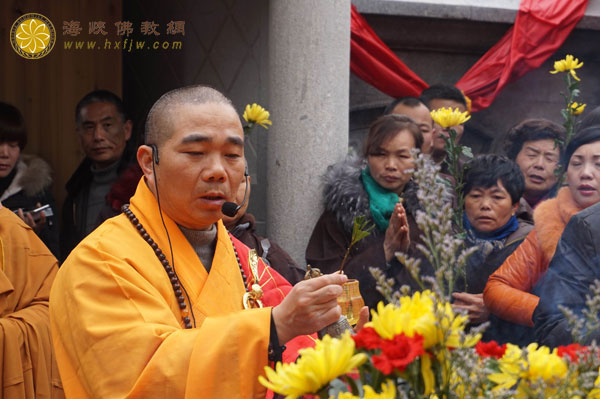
273, 255
345, 199
72, 229
480, 265
507, 293
574, 267
30, 186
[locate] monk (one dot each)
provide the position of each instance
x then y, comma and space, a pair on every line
27, 269
152, 304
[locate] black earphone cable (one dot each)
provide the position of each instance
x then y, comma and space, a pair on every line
155, 157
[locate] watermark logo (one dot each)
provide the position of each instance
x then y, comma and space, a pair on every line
32, 36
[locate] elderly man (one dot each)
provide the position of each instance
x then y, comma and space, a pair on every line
27, 269
161, 301
104, 131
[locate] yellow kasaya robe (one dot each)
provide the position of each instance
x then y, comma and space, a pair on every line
117, 326
27, 269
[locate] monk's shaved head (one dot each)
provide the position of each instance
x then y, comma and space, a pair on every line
159, 122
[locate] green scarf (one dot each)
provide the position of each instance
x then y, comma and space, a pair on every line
381, 201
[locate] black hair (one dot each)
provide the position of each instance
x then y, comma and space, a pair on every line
12, 125
485, 171
591, 119
100, 96
445, 92
585, 136
411, 102
387, 127
532, 130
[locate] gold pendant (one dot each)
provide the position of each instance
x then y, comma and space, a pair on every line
251, 299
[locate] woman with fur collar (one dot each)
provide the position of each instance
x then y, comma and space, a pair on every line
25, 180
508, 291
378, 187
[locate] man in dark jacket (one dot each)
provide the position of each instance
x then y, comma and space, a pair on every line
574, 267
104, 132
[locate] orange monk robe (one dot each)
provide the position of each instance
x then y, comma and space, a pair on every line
117, 325
27, 269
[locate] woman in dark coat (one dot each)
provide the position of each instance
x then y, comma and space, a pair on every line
493, 187
378, 187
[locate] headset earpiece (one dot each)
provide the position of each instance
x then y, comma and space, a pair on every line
154, 153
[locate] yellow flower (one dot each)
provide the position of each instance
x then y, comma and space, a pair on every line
418, 314
540, 364
388, 391
447, 117
256, 114
577, 108
316, 367
568, 64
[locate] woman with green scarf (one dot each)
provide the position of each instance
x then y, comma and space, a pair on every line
378, 187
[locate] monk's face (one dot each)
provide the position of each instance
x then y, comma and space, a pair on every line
200, 165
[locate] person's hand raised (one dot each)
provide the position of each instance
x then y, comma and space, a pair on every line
31, 222
397, 235
309, 306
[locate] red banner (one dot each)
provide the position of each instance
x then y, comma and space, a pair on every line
540, 28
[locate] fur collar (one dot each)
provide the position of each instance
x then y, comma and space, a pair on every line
346, 197
33, 176
550, 218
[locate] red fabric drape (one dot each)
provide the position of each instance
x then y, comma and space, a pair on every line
540, 28
373, 61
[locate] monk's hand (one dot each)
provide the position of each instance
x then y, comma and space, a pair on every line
397, 235
473, 304
309, 306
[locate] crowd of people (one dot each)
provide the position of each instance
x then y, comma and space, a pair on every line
152, 273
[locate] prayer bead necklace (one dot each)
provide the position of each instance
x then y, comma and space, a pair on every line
175, 283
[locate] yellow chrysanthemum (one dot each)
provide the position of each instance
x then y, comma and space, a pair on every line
448, 117
595, 393
417, 314
316, 367
569, 64
388, 391
540, 364
256, 114
577, 108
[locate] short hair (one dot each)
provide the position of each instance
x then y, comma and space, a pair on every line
161, 110
410, 102
12, 125
441, 91
585, 136
591, 119
532, 130
485, 170
100, 96
387, 127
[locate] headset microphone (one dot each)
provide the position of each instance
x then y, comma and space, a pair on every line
231, 208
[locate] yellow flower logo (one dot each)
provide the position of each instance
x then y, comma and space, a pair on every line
577, 108
568, 64
32, 36
448, 117
255, 114
316, 367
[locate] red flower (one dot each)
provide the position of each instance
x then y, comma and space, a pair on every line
490, 349
572, 351
398, 353
368, 338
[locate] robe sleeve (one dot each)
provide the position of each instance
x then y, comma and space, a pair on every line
117, 335
27, 270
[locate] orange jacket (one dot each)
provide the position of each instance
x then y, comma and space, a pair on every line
507, 291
